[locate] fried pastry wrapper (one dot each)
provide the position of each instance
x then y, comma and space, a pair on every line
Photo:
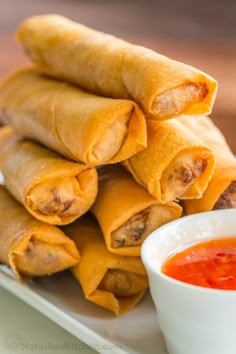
221, 190
175, 164
51, 188
111, 67
79, 125
126, 212
114, 282
30, 247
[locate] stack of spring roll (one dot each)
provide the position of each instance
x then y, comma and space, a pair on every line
108, 129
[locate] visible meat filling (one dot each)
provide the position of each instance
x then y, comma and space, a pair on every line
185, 174
189, 174
227, 199
140, 225
177, 100
57, 198
131, 233
123, 283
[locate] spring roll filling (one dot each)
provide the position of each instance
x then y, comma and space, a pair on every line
123, 283
177, 100
57, 197
227, 199
41, 259
139, 226
187, 169
112, 139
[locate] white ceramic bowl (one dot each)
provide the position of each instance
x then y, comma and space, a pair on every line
193, 319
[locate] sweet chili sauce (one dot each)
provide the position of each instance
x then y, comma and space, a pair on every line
211, 264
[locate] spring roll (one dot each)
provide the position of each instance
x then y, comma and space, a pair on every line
114, 282
175, 164
126, 212
221, 190
81, 126
30, 247
111, 67
51, 188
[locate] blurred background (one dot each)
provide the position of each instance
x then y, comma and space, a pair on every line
201, 33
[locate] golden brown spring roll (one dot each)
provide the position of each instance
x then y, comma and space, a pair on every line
51, 188
81, 126
175, 164
126, 212
221, 190
109, 66
114, 282
30, 247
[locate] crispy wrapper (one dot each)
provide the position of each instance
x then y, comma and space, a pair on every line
114, 282
221, 190
111, 67
30, 247
175, 164
79, 125
126, 212
51, 188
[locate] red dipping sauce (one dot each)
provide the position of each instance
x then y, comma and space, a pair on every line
211, 264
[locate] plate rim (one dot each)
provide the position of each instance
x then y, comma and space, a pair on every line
55, 314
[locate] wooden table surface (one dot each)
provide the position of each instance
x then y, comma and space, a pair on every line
199, 33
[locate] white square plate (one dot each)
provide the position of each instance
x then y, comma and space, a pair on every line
60, 298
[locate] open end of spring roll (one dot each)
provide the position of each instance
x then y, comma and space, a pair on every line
220, 192
51, 188
114, 282
228, 198
40, 258
133, 232
179, 99
63, 200
175, 164
126, 212
186, 176
111, 67
31, 247
123, 283
60, 199
79, 125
